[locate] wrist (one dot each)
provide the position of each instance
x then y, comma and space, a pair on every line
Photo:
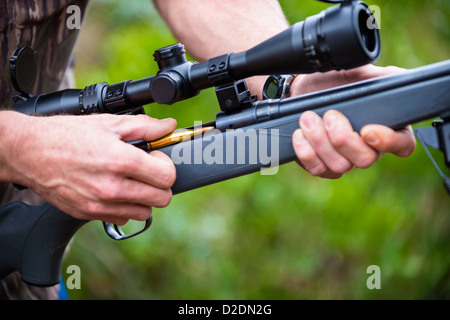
256, 85
13, 128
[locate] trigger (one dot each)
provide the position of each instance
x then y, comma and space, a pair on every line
115, 232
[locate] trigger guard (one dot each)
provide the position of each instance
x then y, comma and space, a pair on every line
115, 232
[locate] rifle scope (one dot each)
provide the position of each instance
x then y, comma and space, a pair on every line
340, 37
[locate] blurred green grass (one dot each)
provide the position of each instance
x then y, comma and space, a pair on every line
287, 236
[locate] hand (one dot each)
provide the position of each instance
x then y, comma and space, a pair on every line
82, 165
329, 147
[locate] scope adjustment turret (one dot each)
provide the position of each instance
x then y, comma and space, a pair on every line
170, 56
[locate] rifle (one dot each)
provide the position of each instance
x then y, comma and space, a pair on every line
245, 131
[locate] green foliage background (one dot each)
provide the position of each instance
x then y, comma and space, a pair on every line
287, 236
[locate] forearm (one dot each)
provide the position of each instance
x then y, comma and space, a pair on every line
209, 28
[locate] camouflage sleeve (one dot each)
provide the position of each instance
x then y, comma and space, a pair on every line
40, 25
13, 288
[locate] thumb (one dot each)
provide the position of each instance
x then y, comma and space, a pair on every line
142, 127
384, 139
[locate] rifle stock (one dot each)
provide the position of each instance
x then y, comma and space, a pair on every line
33, 240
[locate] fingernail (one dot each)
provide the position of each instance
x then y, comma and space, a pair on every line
330, 121
308, 121
169, 121
297, 137
371, 138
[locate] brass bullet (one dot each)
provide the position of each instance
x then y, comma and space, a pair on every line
177, 136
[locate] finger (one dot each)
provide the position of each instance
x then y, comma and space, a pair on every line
314, 131
114, 212
154, 169
326, 174
308, 159
318, 81
162, 156
137, 127
305, 153
384, 139
370, 71
112, 202
121, 213
133, 191
347, 142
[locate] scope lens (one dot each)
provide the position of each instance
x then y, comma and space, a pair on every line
367, 29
